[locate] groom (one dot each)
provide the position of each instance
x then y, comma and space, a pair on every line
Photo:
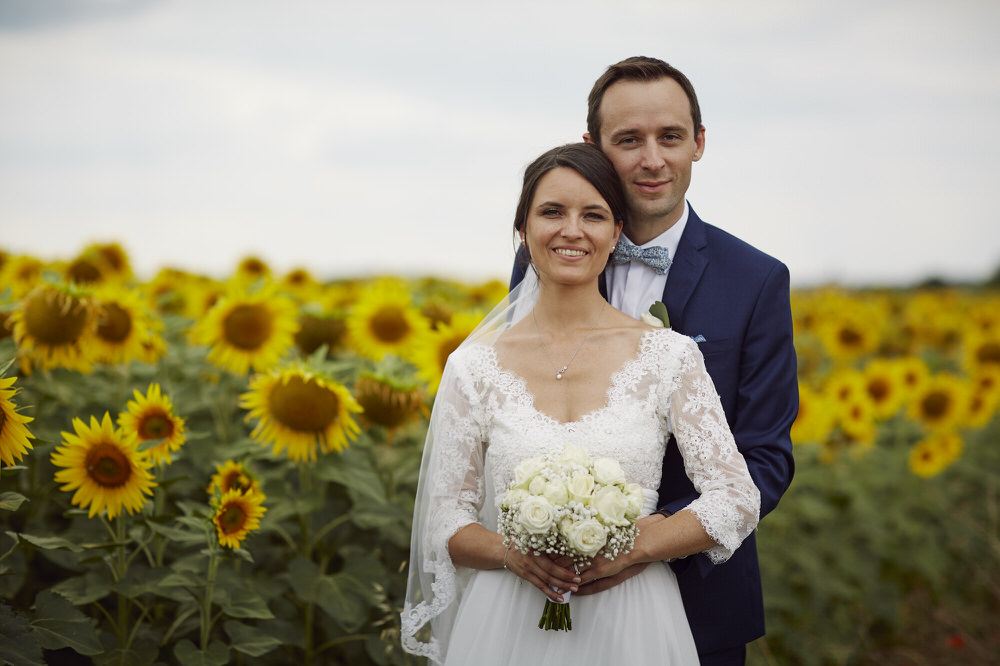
731, 298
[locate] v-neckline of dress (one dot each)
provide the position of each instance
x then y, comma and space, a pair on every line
616, 376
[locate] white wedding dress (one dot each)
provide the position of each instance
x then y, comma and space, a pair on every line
485, 423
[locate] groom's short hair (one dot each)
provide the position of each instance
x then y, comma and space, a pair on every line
636, 68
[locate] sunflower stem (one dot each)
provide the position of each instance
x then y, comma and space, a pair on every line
206, 601
124, 605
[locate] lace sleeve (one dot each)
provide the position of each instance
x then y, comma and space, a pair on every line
729, 503
449, 496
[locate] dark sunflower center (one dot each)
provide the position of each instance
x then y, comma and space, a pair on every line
236, 480
248, 326
389, 325
115, 323
82, 271
879, 389
232, 518
849, 337
108, 466
989, 353
304, 406
114, 257
316, 331
936, 405
54, 320
156, 425
3, 421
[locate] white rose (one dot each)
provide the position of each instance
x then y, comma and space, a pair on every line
538, 485
608, 472
574, 455
565, 523
587, 537
513, 497
636, 501
526, 470
556, 493
536, 515
581, 486
647, 318
611, 505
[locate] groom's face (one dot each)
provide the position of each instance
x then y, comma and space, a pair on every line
647, 131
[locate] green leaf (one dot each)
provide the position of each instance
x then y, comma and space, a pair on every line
18, 646
11, 501
217, 654
239, 601
303, 575
178, 535
59, 624
250, 640
85, 589
353, 470
50, 543
339, 595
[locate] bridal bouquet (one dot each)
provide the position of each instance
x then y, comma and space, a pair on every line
569, 504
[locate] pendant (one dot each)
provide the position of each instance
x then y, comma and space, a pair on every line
560, 373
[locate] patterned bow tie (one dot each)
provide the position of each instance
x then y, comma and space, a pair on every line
657, 258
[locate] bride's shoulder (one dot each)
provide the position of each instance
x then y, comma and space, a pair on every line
667, 344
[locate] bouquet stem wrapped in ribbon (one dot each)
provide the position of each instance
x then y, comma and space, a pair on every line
568, 504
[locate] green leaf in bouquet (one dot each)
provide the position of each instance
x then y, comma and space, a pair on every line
11, 501
250, 640
217, 654
93, 585
237, 600
58, 624
18, 646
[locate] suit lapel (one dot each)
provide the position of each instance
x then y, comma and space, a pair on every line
686, 270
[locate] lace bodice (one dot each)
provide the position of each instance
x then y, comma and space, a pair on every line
485, 423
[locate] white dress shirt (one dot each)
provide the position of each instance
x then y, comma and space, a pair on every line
634, 286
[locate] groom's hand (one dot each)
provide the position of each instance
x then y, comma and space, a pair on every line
608, 582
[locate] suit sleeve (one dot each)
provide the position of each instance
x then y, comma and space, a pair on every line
767, 393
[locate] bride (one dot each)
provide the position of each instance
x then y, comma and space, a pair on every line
555, 364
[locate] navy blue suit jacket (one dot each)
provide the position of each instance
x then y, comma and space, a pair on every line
737, 299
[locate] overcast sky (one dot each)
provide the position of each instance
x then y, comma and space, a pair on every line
857, 141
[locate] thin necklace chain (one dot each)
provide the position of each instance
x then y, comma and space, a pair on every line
545, 348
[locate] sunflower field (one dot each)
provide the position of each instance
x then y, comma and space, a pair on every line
204, 471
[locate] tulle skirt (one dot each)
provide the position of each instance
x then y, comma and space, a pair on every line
639, 622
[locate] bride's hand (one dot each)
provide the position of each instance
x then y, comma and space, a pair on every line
543, 573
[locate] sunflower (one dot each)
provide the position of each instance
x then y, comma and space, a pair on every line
237, 513
815, 419
883, 386
383, 321
488, 294
247, 330
982, 352
250, 269
104, 466
297, 409
942, 403
932, 455
301, 285
844, 387
914, 375
55, 326
316, 330
113, 259
124, 325
388, 401
231, 475
151, 418
857, 420
14, 433
434, 346
21, 274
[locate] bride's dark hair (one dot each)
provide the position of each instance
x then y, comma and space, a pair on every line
588, 161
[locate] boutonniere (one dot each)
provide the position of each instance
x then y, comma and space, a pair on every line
657, 315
